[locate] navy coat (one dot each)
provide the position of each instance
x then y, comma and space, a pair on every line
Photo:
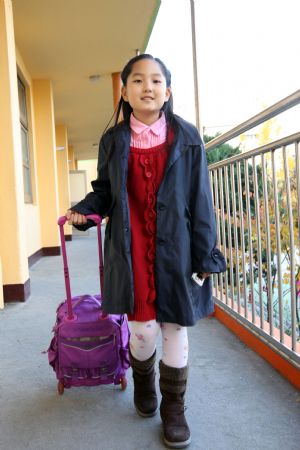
186, 230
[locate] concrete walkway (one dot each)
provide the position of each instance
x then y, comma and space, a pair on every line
235, 400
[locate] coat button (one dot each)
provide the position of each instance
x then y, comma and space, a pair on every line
126, 229
161, 241
161, 207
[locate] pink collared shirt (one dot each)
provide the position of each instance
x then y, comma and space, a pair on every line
147, 136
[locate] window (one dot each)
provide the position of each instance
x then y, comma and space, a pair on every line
25, 143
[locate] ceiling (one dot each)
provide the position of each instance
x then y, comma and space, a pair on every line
67, 41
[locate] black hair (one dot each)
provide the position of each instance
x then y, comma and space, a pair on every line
125, 106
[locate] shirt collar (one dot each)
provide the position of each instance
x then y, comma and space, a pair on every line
139, 127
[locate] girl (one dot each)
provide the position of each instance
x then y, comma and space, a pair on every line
153, 185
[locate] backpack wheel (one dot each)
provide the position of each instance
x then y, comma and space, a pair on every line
60, 387
123, 382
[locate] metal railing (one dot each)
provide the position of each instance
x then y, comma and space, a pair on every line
256, 199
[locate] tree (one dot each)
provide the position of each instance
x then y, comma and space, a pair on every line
221, 152
250, 231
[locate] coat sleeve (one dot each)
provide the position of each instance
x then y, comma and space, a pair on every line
98, 201
205, 256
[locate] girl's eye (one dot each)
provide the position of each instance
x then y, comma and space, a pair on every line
137, 81
157, 81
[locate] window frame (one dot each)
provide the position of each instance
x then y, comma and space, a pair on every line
25, 143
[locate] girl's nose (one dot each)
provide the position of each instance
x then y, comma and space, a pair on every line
147, 87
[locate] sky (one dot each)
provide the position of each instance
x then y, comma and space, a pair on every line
248, 58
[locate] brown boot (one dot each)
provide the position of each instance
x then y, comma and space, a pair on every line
145, 399
172, 385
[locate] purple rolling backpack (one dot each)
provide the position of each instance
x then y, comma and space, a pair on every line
89, 347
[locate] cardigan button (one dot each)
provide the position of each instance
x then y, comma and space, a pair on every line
146, 161
148, 174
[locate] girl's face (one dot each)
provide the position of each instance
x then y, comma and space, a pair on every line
146, 90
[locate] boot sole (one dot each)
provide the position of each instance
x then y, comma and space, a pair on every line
183, 444
142, 414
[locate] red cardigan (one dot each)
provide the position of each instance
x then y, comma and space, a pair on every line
145, 171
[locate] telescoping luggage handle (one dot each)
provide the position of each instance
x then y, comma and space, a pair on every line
61, 222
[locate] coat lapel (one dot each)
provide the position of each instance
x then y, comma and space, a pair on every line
122, 142
122, 145
177, 149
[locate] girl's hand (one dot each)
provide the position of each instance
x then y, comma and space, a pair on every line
203, 275
75, 218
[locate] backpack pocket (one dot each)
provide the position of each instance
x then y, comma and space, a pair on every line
97, 352
52, 352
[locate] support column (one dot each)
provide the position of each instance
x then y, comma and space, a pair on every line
16, 284
1, 287
46, 165
116, 85
63, 175
195, 69
71, 157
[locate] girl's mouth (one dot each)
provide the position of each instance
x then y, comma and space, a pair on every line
147, 98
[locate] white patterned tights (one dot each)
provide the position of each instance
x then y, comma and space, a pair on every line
174, 342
